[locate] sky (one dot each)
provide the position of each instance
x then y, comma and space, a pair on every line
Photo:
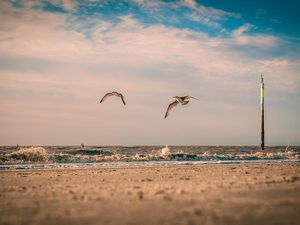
58, 58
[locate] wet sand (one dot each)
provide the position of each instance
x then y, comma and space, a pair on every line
206, 194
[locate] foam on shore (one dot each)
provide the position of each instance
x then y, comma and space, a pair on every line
140, 154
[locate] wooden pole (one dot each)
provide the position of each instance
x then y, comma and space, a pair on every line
262, 103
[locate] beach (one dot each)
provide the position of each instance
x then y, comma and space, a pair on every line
254, 193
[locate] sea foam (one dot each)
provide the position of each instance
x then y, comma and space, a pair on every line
31, 154
101, 154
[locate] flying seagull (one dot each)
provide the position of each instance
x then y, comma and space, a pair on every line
185, 99
182, 100
114, 93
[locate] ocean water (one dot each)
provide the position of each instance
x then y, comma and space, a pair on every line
48, 157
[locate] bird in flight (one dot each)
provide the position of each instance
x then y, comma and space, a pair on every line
185, 99
182, 100
114, 93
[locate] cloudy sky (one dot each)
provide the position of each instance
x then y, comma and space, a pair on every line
58, 58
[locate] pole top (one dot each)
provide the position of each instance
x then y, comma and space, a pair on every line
262, 78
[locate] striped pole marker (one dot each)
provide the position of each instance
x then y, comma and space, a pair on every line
262, 104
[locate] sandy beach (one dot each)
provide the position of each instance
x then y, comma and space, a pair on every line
207, 194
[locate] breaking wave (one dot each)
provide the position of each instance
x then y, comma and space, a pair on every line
32, 154
96, 154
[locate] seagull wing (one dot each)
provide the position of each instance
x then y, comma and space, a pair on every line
170, 107
106, 96
185, 102
122, 97
194, 98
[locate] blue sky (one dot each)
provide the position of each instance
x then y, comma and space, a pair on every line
57, 58
280, 17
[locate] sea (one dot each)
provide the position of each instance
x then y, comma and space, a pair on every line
72, 157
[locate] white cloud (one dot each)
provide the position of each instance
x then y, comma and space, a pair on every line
130, 44
260, 40
209, 12
207, 16
204, 20
242, 29
190, 3
69, 4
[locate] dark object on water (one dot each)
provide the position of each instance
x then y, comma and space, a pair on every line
262, 96
93, 152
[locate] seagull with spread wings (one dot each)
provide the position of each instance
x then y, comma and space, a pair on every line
114, 93
182, 100
185, 99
